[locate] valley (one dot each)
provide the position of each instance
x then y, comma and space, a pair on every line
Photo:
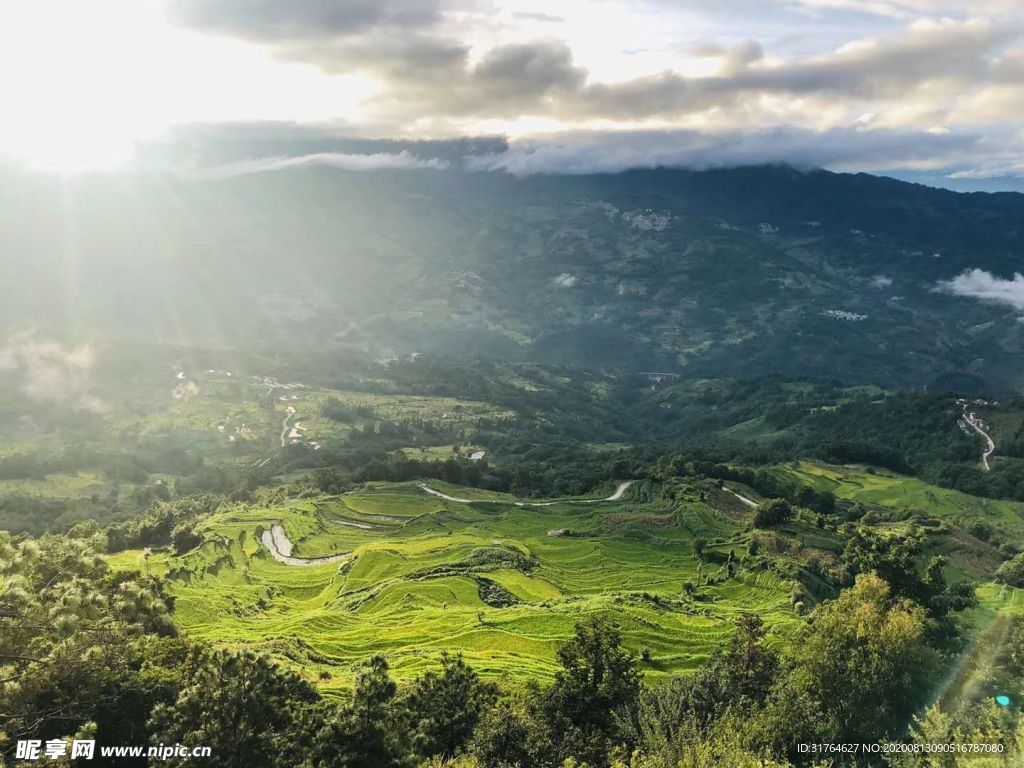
512, 384
642, 423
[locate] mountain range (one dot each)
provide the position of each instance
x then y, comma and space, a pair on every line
723, 272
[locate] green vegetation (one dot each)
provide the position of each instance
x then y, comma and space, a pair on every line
500, 583
416, 562
751, 704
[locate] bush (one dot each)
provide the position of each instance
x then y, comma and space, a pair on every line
772, 512
1012, 572
185, 538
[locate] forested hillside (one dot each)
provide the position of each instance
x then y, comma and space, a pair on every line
733, 272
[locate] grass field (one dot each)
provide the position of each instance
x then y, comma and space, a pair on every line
78, 484
892, 490
229, 420
459, 415
486, 578
415, 574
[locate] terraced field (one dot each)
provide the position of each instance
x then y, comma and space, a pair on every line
501, 583
893, 490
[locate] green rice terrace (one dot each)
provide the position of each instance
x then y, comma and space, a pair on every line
400, 569
894, 490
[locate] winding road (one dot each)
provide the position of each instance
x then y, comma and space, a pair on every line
976, 424
280, 546
749, 502
620, 490
284, 426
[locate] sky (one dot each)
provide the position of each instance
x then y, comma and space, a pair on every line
925, 89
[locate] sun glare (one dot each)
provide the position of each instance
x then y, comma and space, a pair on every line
69, 82
84, 82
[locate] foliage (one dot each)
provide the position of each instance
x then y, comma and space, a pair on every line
870, 646
444, 708
772, 512
364, 732
597, 678
1012, 571
74, 637
243, 706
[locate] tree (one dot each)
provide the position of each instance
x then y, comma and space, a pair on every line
73, 636
598, 677
243, 706
736, 682
443, 709
857, 671
510, 737
772, 512
330, 480
451, 472
184, 538
1012, 572
699, 545
362, 733
748, 667
893, 558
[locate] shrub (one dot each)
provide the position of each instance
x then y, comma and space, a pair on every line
772, 512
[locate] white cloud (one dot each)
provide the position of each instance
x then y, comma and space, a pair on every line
50, 372
979, 284
345, 162
564, 280
903, 9
581, 152
428, 69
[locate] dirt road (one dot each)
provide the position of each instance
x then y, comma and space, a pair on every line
976, 424
280, 546
620, 491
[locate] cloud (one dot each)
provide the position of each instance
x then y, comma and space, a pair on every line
50, 372
564, 280
271, 20
399, 39
1011, 170
422, 55
942, 57
345, 162
982, 285
584, 152
194, 147
903, 9
536, 16
222, 151
454, 67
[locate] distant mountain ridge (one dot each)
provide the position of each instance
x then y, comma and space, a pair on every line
742, 271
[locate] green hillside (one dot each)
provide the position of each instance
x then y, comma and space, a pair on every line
502, 584
893, 490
